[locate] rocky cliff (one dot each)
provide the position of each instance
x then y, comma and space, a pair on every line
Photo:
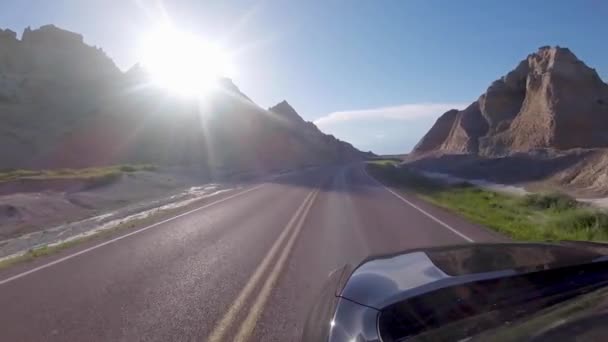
64, 103
551, 100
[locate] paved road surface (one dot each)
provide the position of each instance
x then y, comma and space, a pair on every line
245, 267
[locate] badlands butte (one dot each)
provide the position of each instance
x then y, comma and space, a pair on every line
65, 104
545, 124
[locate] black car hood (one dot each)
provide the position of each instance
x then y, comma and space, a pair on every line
380, 281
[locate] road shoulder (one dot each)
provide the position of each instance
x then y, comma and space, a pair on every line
470, 231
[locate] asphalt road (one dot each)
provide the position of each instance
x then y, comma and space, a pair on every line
246, 266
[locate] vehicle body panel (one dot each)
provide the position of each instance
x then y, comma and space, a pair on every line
381, 281
376, 288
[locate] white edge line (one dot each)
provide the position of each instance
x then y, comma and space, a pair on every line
420, 209
67, 257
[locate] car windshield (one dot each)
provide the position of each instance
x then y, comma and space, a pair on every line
509, 308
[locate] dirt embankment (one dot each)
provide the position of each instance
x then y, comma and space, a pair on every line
578, 172
29, 205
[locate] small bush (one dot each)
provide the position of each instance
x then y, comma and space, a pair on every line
556, 201
385, 162
64, 171
103, 179
404, 178
464, 184
149, 167
590, 224
17, 174
136, 167
127, 168
25, 173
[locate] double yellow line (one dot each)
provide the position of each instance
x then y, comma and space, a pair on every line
290, 233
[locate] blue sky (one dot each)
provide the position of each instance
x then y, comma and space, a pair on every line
374, 73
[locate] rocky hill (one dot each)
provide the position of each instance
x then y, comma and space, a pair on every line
550, 100
545, 121
64, 103
309, 135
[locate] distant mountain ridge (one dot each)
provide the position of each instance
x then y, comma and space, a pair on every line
338, 149
65, 104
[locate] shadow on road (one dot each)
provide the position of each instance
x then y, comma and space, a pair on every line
349, 178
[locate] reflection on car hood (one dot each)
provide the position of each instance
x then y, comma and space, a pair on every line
580, 319
378, 281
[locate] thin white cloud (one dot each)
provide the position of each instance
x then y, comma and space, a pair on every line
379, 135
403, 112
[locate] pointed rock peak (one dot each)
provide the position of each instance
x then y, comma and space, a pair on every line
55, 51
227, 81
136, 68
137, 73
8, 35
560, 61
51, 34
227, 84
283, 106
284, 109
553, 52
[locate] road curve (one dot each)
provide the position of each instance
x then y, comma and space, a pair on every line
245, 268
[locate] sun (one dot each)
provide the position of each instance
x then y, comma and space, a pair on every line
183, 63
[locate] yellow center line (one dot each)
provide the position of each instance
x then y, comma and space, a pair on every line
258, 306
221, 328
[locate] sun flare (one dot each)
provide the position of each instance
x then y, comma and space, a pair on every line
184, 63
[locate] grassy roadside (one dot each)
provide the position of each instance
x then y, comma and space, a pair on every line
530, 218
92, 175
385, 161
157, 216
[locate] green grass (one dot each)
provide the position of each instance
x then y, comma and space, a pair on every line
385, 162
94, 176
535, 217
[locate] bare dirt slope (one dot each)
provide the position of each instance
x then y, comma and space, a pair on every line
29, 211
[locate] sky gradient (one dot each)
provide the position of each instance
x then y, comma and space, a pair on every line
374, 73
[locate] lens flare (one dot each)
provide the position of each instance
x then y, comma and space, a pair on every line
184, 63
